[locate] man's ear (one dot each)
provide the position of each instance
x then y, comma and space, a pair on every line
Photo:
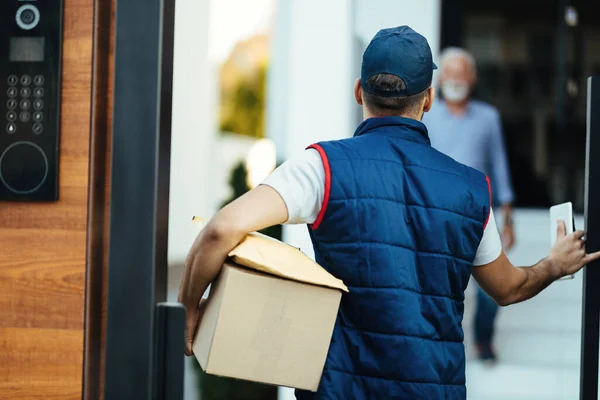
358, 92
429, 99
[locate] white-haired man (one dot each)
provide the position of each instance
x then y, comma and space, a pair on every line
470, 131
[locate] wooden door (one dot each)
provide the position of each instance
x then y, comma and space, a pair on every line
43, 248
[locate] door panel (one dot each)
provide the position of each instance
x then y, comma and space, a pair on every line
43, 252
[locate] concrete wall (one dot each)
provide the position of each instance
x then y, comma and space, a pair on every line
423, 16
194, 126
310, 84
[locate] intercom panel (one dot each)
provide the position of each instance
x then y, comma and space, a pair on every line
30, 82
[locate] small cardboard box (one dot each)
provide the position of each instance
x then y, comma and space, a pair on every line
269, 316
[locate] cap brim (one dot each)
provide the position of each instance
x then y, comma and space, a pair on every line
434, 66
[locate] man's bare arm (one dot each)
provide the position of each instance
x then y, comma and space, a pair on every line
507, 284
260, 208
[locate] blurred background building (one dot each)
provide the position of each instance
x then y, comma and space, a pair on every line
257, 81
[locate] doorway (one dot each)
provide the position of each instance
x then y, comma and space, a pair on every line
533, 61
534, 58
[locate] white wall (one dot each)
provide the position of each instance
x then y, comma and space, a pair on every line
193, 128
310, 82
279, 78
423, 16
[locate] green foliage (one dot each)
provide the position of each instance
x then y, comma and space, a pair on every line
239, 184
243, 107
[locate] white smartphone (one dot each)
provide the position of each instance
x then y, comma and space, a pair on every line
562, 212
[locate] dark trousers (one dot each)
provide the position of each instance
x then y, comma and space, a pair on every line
485, 316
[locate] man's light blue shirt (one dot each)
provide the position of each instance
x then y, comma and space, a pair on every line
474, 139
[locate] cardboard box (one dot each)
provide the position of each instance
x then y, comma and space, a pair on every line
269, 316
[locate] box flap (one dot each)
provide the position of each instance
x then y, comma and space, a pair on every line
265, 254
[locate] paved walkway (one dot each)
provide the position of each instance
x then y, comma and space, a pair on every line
538, 341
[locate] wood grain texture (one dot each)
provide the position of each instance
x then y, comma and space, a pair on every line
43, 253
99, 200
53, 372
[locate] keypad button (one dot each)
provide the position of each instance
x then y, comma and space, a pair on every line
38, 80
11, 104
11, 128
24, 116
12, 92
38, 104
25, 80
11, 116
38, 92
25, 92
12, 80
25, 104
38, 116
38, 128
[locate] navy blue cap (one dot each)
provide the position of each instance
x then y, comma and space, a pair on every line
401, 52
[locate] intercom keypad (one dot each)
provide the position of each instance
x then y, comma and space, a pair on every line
27, 111
30, 72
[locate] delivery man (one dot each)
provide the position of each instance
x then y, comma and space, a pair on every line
403, 225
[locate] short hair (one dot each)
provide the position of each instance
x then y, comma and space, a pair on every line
391, 106
452, 53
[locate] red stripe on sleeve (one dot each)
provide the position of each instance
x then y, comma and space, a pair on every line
487, 179
327, 169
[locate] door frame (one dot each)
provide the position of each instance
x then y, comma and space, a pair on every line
129, 199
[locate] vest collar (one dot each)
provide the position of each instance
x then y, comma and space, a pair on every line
406, 128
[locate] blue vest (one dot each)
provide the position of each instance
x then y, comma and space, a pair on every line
400, 225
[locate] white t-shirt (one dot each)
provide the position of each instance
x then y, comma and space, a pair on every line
300, 182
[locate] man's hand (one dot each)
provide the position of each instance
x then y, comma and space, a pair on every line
258, 209
192, 320
568, 254
507, 284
